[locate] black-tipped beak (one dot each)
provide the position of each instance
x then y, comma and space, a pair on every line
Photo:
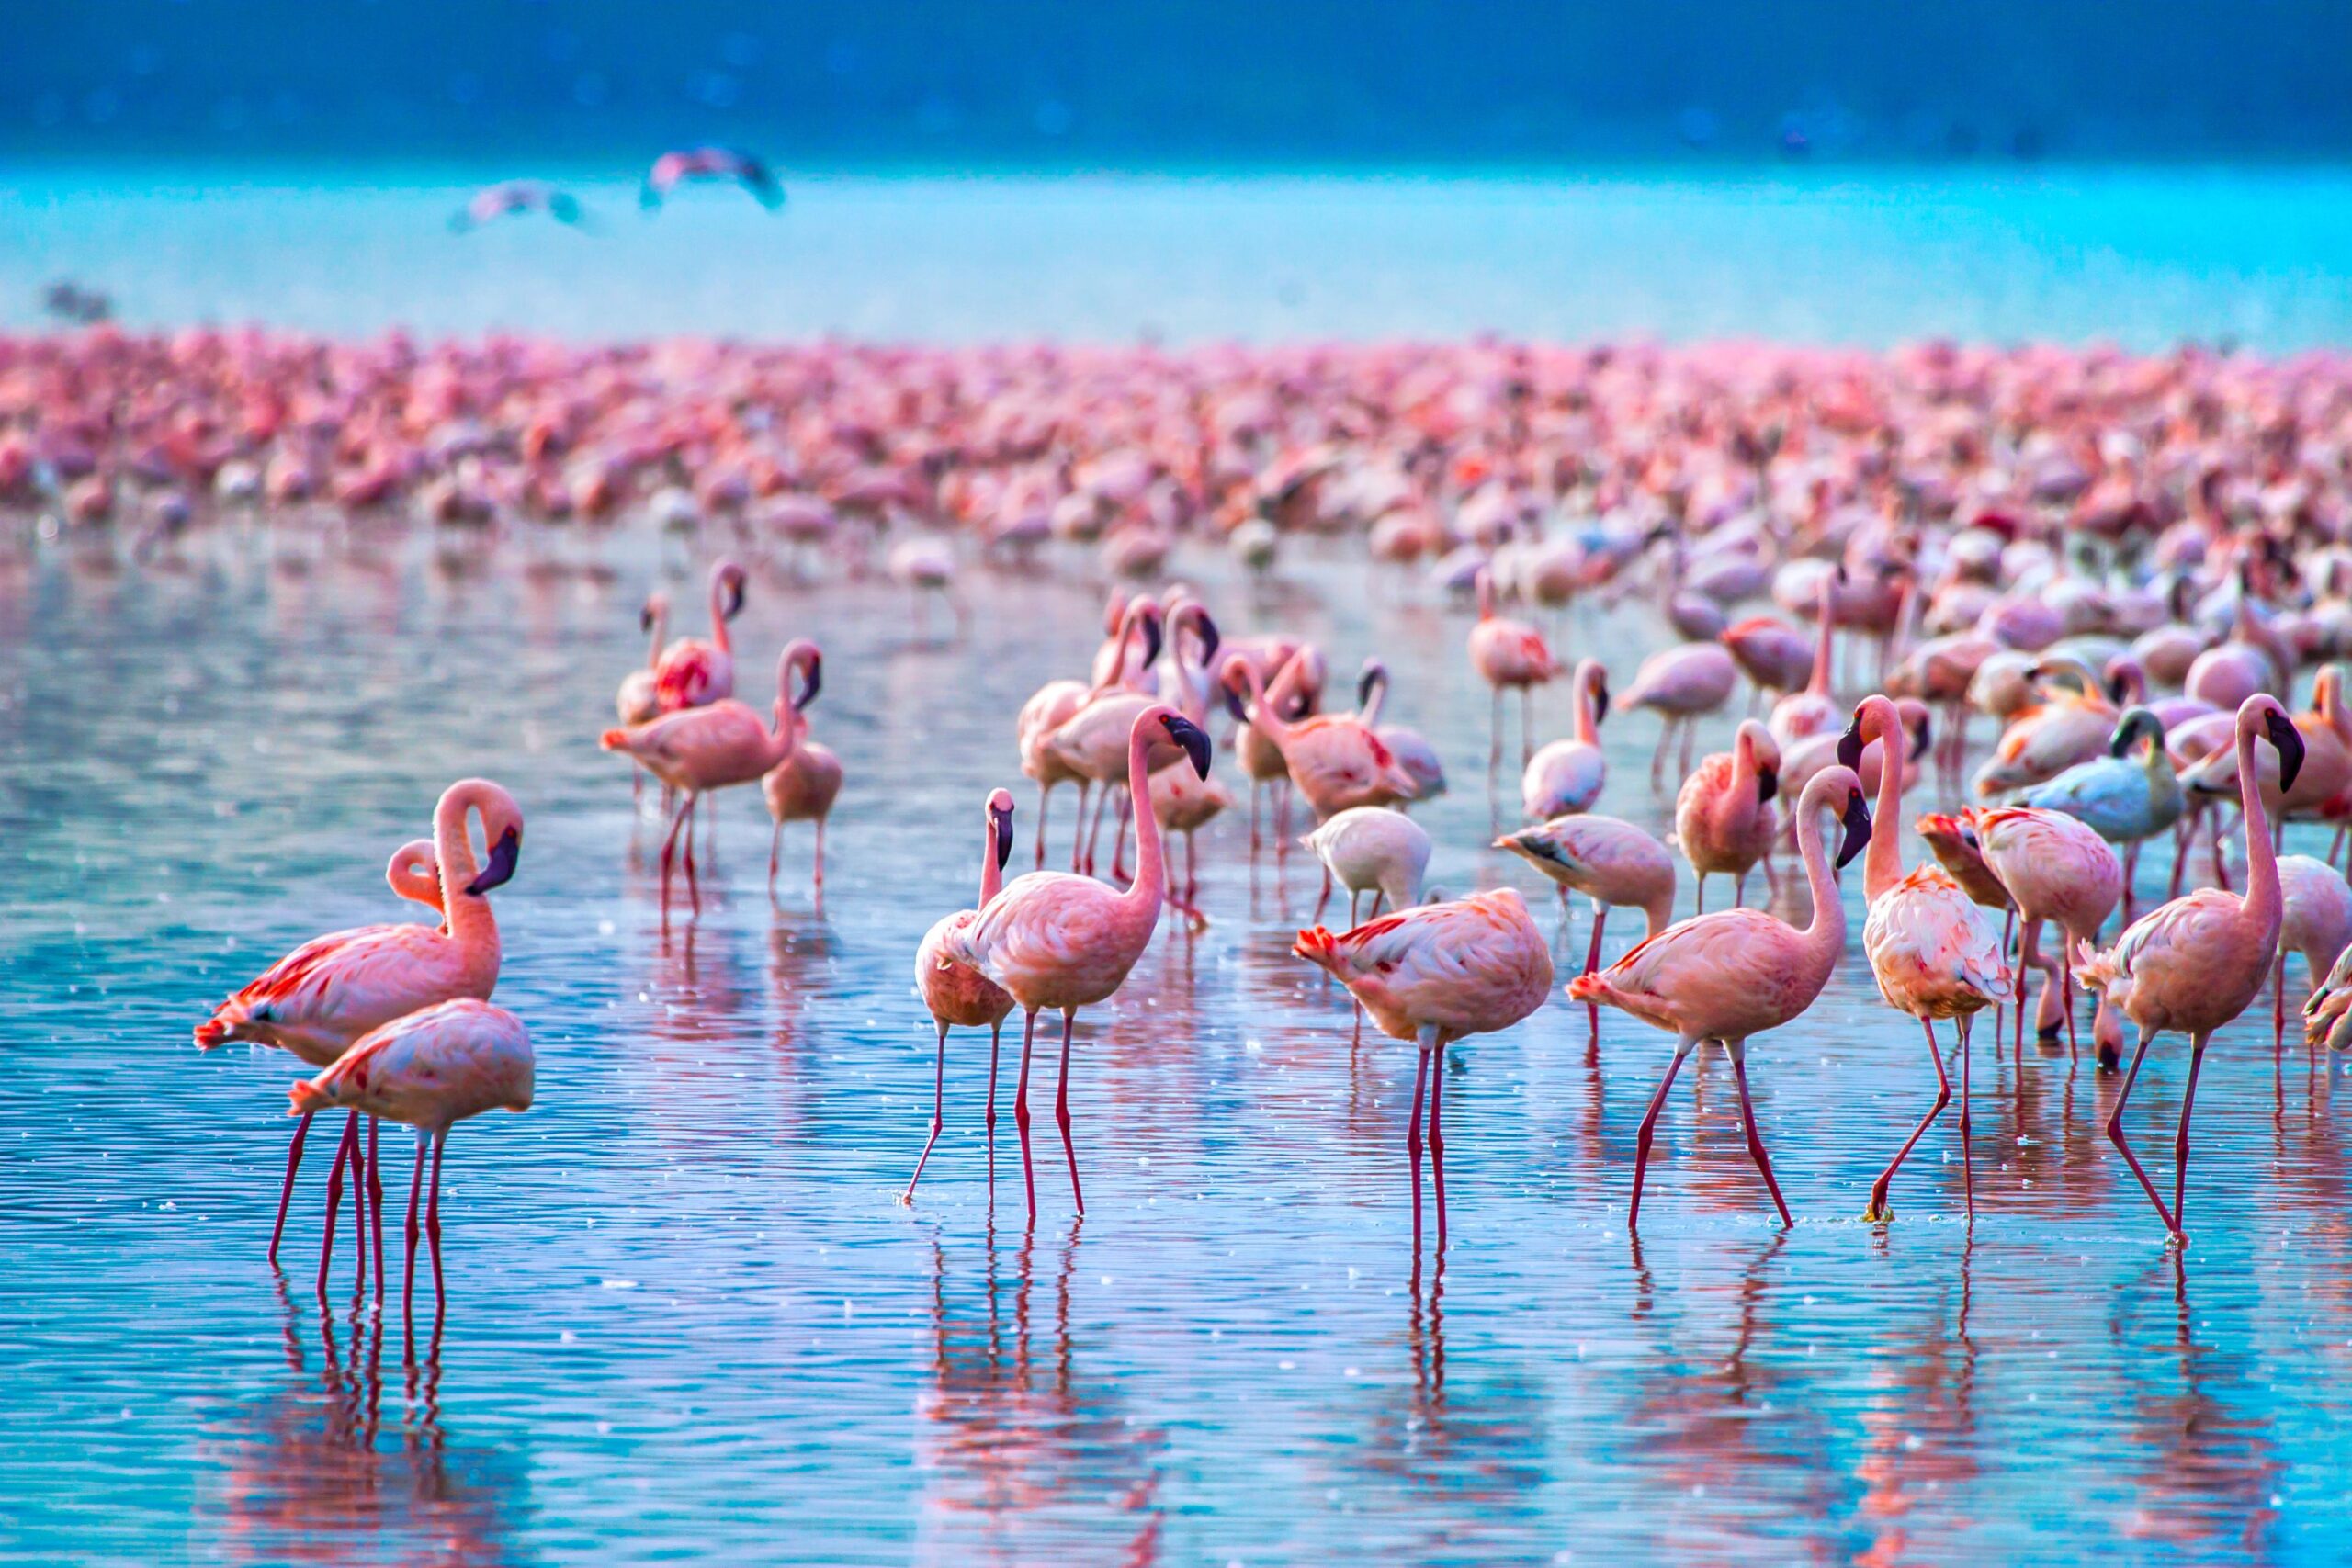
1209, 638
1768, 784
1234, 703
1849, 745
1367, 682
1599, 702
2117, 688
2127, 734
1151, 640
2289, 742
1919, 739
1856, 817
1191, 737
812, 679
734, 597
645, 619
1003, 837
503, 855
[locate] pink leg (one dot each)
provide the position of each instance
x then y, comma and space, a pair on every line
376, 1204
1592, 962
1526, 752
2221, 856
285, 1193
2115, 1133
345, 1151
1061, 1108
2182, 837
1967, 1171
1413, 1134
670, 845
416, 1186
816, 880
1437, 1139
776, 852
433, 1218
693, 892
1045, 794
2180, 1143
1323, 897
1738, 1050
1649, 1129
996, 1039
358, 1209
1878, 1209
1021, 1112
2278, 1004
1495, 752
938, 1112
1119, 849
1078, 829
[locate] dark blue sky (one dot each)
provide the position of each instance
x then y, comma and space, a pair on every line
1180, 83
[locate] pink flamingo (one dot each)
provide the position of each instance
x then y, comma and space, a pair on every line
1681, 684
958, 994
700, 750
802, 789
1054, 940
691, 673
431, 1070
2316, 922
1508, 653
1769, 652
640, 698
1294, 692
511, 197
1736, 973
2194, 964
1335, 759
1723, 815
1613, 864
321, 997
1932, 952
673, 169
1434, 974
2058, 870
1055, 702
1566, 776
1814, 711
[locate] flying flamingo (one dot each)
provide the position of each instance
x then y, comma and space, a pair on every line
701, 749
1722, 814
1370, 849
639, 697
1681, 684
691, 673
2057, 870
1434, 974
1736, 972
1932, 952
958, 994
673, 169
430, 1069
2316, 922
1055, 702
321, 997
2194, 964
514, 196
802, 789
1613, 864
1508, 653
1566, 776
1054, 940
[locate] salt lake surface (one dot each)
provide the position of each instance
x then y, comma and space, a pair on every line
688, 1315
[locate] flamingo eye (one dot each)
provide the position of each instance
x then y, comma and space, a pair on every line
1386, 966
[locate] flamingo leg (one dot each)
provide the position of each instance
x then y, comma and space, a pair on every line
1526, 751
938, 1112
1355, 898
694, 892
1021, 1112
2115, 1133
1657, 758
1495, 752
670, 845
1325, 896
2182, 837
376, 1202
1437, 1137
1413, 1133
1062, 1110
1683, 1048
1702, 892
1077, 832
285, 1193
996, 1038
1119, 848
1966, 1024
1689, 738
2180, 1142
1739, 890
1045, 794
817, 882
776, 852
345, 1151
2278, 1005
1878, 1210
1592, 960
432, 1217
416, 1186
358, 1209
1738, 1052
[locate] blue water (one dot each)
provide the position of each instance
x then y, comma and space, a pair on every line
2145, 257
687, 1317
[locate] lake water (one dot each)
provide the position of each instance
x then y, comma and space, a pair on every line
688, 1315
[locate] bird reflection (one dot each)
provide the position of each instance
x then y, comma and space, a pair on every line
1024, 1457
1919, 1427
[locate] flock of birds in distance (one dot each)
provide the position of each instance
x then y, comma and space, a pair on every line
2125, 562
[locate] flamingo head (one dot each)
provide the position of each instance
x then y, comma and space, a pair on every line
1857, 819
1206, 630
506, 851
804, 657
1000, 825
1598, 684
1850, 744
730, 583
1192, 738
2136, 724
2288, 741
1375, 677
657, 606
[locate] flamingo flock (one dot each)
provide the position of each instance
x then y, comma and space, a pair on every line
2129, 566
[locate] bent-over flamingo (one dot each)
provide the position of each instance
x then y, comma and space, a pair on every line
958, 994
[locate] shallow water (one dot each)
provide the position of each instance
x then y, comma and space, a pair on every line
687, 1314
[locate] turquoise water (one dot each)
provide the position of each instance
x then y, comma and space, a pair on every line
688, 1318
2144, 257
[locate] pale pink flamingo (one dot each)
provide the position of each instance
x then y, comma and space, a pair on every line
691, 673
1055, 702
1567, 776
318, 999
1295, 691
1334, 759
2061, 871
1773, 655
1614, 865
1434, 974
1182, 802
926, 567
1054, 940
1681, 685
802, 789
640, 698
958, 994
429, 1069
1508, 654
1371, 849
700, 750
1737, 973
2194, 964
1722, 814
1814, 711
2316, 922
1412, 748
1932, 952
2069, 723
673, 169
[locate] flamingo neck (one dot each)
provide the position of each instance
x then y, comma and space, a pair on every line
471, 925
719, 636
661, 635
1264, 715
2261, 894
991, 871
1882, 862
1819, 682
1372, 704
1827, 928
1145, 892
1485, 597
1588, 726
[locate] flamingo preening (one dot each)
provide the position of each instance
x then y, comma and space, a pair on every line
958, 994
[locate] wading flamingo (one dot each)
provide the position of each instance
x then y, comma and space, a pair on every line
1567, 776
1681, 685
1182, 802
2059, 871
2327, 1011
1412, 748
2316, 921
1434, 974
802, 789
2194, 964
1370, 849
1932, 952
1054, 940
1772, 654
1814, 711
1736, 973
319, 998
430, 1070
958, 994
2122, 801
1055, 702
1295, 690
1334, 759
691, 673
1723, 815
1613, 863
701, 749
1508, 654
640, 698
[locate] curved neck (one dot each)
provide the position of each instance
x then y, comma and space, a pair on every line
1587, 723
1265, 717
1827, 926
1146, 890
471, 922
1115, 675
2261, 859
992, 868
1819, 684
1378, 699
661, 635
718, 635
1882, 862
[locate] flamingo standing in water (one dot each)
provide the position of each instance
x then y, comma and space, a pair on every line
691, 673
431, 1070
1567, 776
802, 789
1055, 702
1506, 654
1334, 759
702, 750
1371, 849
1736, 973
1434, 974
2194, 964
1056, 939
319, 999
2316, 922
1613, 864
1814, 711
1412, 748
2057, 870
1931, 949
640, 698
1722, 814
1681, 684
958, 994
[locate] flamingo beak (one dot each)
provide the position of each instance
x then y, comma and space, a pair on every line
645, 619
1209, 638
1768, 784
1370, 679
1920, 739
1151, 640
1599, 702
734, 596
1003, 837
1856, 817
812, 673
1191, 737
1849, 745
503, 855
2289, 742
1234, 704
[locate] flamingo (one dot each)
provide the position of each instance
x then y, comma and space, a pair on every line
802, 789
1773, 655
1508, 654
2070, 723
1737, 973
321, 997
2122, 801
511, 197
1434, 974
640, 698
673, 169
2316, 921
1814, 711
1371, 849
1612, 862
1334, 760
1182, 803
429, 1069
2195, 963
1681, 684
958, 994
1411, 748
926, 567
1055, 702
699, 750
691, 673
2057, 870
1932, 952
1566, 776
1722, 814
1294, 692
1054, 940
2327, 1011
